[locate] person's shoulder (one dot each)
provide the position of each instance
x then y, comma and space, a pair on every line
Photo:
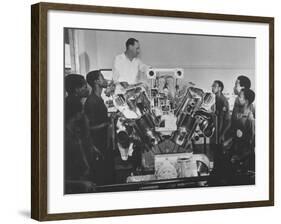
138, 60
224, 98
91, 99
224, 102
71, 100
120, 56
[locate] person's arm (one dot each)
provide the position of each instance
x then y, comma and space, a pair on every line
252, 131
142, 69
100, 126
85, 161
97, 151
231, 118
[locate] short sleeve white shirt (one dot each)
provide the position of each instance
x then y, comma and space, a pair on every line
125, 70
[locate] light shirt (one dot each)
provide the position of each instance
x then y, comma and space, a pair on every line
125, 70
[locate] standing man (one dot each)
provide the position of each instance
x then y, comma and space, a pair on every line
223, 120
96, 112
242, 82
127, 67
76, 151
243, 132
222, 109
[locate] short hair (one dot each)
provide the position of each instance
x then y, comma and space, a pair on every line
93, 76
249, 95
131, 41
123, 139
220, 84
72, 82
244, 81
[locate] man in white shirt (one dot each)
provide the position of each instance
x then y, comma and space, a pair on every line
127, 67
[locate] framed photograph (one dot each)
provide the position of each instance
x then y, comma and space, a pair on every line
141, 111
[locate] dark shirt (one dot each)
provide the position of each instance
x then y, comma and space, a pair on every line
73, 160
236, 106
222, 106
222, 112
96, 112
243, 127
72, 105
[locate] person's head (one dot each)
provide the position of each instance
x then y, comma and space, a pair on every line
217, 86
76, 85
123, 139
242, 82
133, 47
246, 97
95, 79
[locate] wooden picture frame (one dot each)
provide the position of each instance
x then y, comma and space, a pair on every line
39, 109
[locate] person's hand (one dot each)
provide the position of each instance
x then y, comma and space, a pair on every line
110, 89
89, 186
239, 133
105, 124
234, 159
113, 115
97, 153
222, 138
87, 171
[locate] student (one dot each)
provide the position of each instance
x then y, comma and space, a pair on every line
221, 109
242, 82
223, 120
96, 112
76, 163
76, 89
243, 132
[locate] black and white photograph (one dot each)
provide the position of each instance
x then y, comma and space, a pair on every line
148, 110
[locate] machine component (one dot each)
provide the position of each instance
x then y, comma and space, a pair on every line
166, 170
159, 112
145, 128
178, 73
134, 105
194, 109
186, 167
168, 166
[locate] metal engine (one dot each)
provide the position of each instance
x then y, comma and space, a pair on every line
162, 110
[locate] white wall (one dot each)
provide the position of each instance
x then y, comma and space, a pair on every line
203, 58
15, 112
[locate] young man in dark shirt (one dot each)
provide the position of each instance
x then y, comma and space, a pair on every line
97, 114
242, 82
243, 132
223, 120
222, 109
76, 160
